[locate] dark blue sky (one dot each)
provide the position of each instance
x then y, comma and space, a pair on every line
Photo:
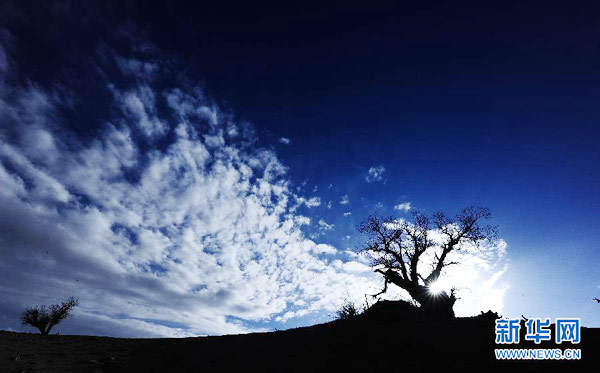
462, 104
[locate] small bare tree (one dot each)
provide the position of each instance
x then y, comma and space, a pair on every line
45, 317
399, 247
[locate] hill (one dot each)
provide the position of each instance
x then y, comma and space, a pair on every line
388, 337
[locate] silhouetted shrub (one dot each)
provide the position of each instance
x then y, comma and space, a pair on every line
489, 315
348, 311
392, 310
45, 317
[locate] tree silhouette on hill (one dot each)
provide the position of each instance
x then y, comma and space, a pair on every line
45, 317
398, 249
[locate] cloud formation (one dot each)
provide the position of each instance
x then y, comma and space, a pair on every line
405, 206
308, 202
323, 225
166, 220
374, 174
345, 200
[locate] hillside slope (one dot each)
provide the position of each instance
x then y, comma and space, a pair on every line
384, 339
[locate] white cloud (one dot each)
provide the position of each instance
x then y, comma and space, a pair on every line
324, 226
345, 200
308, 202
347, 214
375, 173
478, 278
302, 220
140, 106
405, 206
352, 267
395, 224
137, 68
285, 140
324, 249
193, 230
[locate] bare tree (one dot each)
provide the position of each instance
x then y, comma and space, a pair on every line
45, 317
398, 249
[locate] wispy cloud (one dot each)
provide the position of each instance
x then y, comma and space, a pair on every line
374, 174
285, 140
345, 200
309, 202
405, 206
324, 226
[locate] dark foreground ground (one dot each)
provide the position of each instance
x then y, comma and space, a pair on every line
383, 340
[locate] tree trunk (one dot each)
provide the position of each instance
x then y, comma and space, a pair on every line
439, 306
42, 330
48, 328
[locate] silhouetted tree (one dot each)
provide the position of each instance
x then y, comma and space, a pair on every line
45, 317
399, 247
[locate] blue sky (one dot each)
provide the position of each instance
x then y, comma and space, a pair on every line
114, 118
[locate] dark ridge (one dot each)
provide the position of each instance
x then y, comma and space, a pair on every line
388, 337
